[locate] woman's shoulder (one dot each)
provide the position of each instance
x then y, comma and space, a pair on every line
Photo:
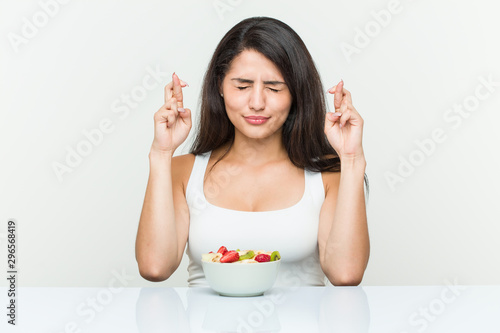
182, 165
183, 160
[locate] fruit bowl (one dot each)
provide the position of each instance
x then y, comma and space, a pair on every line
241, 279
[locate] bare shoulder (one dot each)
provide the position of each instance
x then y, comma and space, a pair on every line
181, 169
183, 160
331, 181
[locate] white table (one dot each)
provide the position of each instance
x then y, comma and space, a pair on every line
371, 309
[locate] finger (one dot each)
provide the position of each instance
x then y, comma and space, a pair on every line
353, 117
174, 106
174, 103
170, 109
172, 112
346, 114
177, 90
171, 101
186, 116
337, 100
330, 119
171, 119
164, 117
168, 91
332, 90
345, 93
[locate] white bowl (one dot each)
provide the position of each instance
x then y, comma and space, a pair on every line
239, 279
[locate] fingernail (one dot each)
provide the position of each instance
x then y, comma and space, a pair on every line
332, 89
181, 110
337, 114
340, 125
184, 83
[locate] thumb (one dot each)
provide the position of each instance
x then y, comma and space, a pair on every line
186, 116
330, 120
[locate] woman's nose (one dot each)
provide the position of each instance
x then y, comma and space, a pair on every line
257, 100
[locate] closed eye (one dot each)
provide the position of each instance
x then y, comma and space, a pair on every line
273, 90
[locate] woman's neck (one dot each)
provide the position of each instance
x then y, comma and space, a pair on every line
257, 151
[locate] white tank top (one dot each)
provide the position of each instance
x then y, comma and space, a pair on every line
292, 231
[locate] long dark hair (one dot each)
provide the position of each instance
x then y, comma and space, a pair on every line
303, 131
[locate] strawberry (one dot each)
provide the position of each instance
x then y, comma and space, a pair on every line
262, 257
230, 256
222, 250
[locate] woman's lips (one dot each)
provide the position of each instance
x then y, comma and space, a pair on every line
256, 120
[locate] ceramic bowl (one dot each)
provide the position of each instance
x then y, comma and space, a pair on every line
241, 279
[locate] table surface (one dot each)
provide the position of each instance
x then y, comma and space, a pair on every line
396, 309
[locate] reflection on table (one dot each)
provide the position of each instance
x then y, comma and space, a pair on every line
374, 309
312, 309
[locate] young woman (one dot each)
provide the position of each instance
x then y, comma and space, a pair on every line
269, 168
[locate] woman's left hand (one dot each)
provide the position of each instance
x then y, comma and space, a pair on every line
344, 128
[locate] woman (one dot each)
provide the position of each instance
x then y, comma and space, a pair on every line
264, 170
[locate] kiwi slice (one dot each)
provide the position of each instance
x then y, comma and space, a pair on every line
249, 255
275, 256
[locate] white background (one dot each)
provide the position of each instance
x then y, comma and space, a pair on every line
439, 222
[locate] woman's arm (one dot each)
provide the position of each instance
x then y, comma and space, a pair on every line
164, 223
343, 240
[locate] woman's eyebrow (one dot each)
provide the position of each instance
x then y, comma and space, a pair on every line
241, 80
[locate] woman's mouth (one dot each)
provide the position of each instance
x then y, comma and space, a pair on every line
256, 120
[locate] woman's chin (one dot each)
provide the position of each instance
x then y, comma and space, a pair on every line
257, 135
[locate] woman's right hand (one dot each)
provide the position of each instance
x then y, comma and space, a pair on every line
172, 120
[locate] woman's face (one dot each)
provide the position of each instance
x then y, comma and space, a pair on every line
256, 97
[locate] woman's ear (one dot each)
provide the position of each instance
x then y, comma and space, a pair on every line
220, 89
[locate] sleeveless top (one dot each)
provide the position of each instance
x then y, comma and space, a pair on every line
292, 231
